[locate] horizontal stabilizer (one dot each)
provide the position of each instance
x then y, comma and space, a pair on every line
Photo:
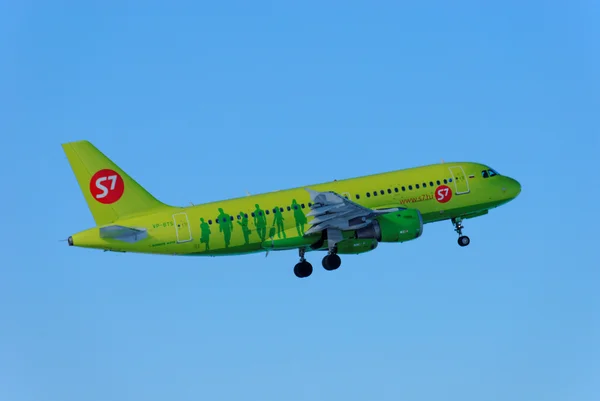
122, 233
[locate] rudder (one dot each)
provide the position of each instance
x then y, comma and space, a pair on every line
109, 192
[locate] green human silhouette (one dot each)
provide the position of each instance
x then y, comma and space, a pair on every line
243, 222
225, 226
260, 222
204, 233
278, 219
299, 217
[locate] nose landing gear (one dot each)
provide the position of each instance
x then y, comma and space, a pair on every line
463, 240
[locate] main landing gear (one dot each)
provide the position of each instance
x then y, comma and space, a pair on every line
303, 269
331, 261
463, 240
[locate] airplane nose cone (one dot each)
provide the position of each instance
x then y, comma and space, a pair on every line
517, 188
512, 188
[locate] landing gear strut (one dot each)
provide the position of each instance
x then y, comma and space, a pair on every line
303, 268
332, 261
463, 240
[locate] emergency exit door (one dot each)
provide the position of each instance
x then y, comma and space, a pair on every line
182, 227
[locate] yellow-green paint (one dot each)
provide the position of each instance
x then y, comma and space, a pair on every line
275, 220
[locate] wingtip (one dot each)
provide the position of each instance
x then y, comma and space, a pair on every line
76, 142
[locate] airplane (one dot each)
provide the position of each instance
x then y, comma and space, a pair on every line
342, 217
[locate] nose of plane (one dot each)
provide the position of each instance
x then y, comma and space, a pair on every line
512, 188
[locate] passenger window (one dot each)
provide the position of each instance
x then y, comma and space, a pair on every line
209, 221
302, 205
396, 190
424, 185
239, 217
289, 208
309, 204
382, 192
231, 218
417, 186
403, 189
430, 183
445, 181
449, 179
410, 187
389, 191
253, 214
357, 196
246, 215
368, 194
267, 211
438, 182
374, 193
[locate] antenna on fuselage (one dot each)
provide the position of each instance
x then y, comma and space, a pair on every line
248, 193
442, 161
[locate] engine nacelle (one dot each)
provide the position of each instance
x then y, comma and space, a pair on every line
356, 246
401, 226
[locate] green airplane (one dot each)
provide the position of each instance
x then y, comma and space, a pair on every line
350, 216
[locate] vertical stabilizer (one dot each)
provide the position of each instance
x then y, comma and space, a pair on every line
109, 192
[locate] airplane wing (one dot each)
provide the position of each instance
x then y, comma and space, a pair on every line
122, 233
334, 213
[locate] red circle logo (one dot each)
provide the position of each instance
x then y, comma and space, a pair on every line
443, 194
106, 186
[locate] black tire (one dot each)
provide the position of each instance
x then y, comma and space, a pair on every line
463, 240
303, 269
331, 262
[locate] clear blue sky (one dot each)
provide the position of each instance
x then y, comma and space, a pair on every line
201, 101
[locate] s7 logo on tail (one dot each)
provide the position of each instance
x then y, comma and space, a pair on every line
106, 186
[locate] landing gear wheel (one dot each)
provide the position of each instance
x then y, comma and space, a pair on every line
332, 261
463, 240
303, 269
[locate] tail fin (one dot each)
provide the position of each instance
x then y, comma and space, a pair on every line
109, 192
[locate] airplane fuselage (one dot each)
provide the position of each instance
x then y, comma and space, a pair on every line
248, 224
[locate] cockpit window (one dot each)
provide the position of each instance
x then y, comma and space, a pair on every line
488, 173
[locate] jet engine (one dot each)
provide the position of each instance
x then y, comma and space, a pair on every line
400, 226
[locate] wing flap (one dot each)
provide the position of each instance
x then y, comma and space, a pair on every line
332, 211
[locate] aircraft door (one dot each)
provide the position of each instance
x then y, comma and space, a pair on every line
182, 227
461, 184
